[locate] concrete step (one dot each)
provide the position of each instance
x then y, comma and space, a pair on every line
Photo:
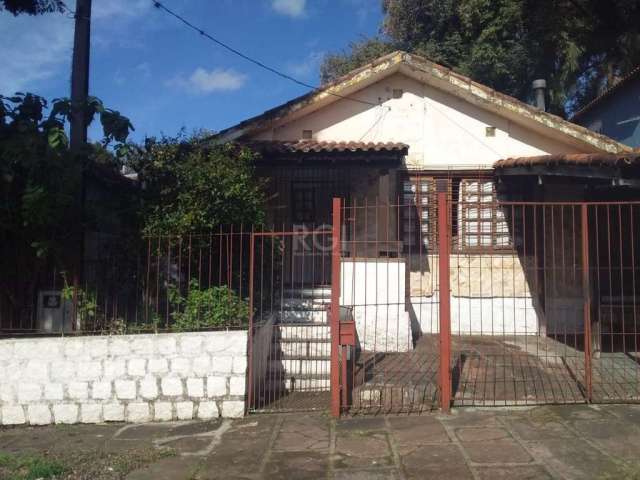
395, 397
297, 384
303, 316
307, 293
302, 366
294, 348
304, 332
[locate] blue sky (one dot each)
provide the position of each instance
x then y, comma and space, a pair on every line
163, 76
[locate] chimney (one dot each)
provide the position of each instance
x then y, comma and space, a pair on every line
539, 87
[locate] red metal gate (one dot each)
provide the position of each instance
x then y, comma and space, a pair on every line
449, 298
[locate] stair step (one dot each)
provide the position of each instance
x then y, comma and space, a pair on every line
305, 366
394, 396
311, 292
302, 316
301, 331
298, 384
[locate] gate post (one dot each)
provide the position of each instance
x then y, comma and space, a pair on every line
335, 308
586, 299
444, 250
250, 392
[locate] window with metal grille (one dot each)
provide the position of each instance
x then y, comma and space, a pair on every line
418, 213
303, 204
481, 222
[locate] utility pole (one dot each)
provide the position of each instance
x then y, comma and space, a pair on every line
78, 128
80, 75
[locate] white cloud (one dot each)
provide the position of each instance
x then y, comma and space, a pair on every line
33, 49
292, 8
307, 67
203, 82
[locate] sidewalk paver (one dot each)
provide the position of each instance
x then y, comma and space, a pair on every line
541, 443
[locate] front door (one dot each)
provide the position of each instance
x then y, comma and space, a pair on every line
311, 249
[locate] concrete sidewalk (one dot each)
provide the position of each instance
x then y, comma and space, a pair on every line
569, 442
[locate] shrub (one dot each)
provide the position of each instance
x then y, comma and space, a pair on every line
205, 308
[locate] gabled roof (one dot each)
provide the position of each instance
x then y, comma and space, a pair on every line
633, 74
314, 146
434, 75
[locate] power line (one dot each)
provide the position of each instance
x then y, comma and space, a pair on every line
208, 36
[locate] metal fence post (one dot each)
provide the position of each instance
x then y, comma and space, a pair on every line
586, 296
444, 251
335, 308
251, 402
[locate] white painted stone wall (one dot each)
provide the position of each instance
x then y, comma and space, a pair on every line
478, 316
132, 378
375, 290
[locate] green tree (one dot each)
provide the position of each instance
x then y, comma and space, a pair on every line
189, 186
32, 7
579, 46
40, 184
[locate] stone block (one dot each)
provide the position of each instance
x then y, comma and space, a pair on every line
171, 386
232, 409
202, 365
53, 391
239, 365
163, 411
101, 390
23, 349
184, 410
138, 412
237, 385
29, 392
195, 387
36, 370
114, 368
207, 410
137, 367
221, 364
113, 412
65, 413
125, 389
149, 388
78, 390
180, 366
6, 350
89, 371
13, 415
90, 413
158, 365
166, 345
142, 345
7, 393
216, 387
191, 345
74, 347
119, 347
63, 370
39, 414
97, 347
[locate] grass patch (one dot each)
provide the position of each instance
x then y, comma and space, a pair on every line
623, 471
29, 467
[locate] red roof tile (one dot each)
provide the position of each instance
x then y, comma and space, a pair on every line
578, 159
314, 146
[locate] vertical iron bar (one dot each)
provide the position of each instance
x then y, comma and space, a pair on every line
444, 294
335, 309
586, 295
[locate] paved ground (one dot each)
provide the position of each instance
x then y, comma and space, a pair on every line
569, 442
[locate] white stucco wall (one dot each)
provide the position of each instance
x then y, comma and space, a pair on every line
440, 129
375, 290
133, 378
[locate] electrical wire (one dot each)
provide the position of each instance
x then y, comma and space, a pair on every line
161, 6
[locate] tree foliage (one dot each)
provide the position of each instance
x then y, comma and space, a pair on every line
189, 186
579, 46
32, 7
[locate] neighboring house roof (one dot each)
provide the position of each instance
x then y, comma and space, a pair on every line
577, 159
632, 75
432, 74
314, 146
